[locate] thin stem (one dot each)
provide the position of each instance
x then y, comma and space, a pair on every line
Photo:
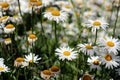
114, 29
55, 29
32, 21
95, 37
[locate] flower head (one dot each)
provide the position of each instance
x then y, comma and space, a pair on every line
66, 53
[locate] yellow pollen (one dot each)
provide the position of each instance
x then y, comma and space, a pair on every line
110, 44
3, 18
4, 5
46, 72
1, 68
54, 68
96, 23
32, 36
63, 40
9, 26
33, 0
8, 39
39, 3
55, 13
31, 61
88, 47
96, 62
50, 9
108, 57
66, 53
87, 77
67, 6
19, 59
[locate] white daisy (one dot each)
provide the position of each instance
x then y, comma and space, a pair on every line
110, 44
9, 28
32, 38
66, 53
56, 15
109, 60
94, 62
32, 58
87, 49
1, 60
3, 68
97, 24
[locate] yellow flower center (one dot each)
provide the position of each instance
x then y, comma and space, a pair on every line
19, 59
46, 72
96, 62
4, 5
15, 16
108, 7
9, 26
1, 68
96, 23
88, 47
80, 3
8, 39
66, 53
31, 61
32, 36
110, 44
3, 18
63, 40
39, 3
67, 6
89, 14
54, 68
108, 57
33, 0
87, 77
50, 9
78, 14
56, 13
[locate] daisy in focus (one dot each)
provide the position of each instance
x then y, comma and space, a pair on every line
97, 24
66, 53
3, 68
110, 44
56, 15
87, 49
109, 60
32, 58
94, 62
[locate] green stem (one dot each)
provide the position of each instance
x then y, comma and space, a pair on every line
95, 37
32, 20
55, 29
116, 21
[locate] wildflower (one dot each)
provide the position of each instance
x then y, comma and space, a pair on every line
4, 19
7, 41
94, 62
3, 68
110, 60
66, 53
66, 8
1, 60
87, 76
55, 71
5, 6
9, 28
31, 58
18, 61
87, 49
32, 38
45, 74
24, 64
56, 15
33, 2
110, 44
39, 4
97, 24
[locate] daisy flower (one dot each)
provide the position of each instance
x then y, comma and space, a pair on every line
97, 24
94, 62
87, 49
109, 60
9, 28
86, 76
45, 74
32, 58
56, 15
8, 41
32, 38
66, 53
5, 6
18, 61
3, 68
110, 44
1, 60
